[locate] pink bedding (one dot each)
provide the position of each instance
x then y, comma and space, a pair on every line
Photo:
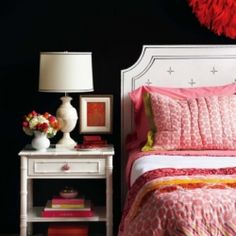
181, 202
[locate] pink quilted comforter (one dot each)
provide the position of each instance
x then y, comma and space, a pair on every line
181, 202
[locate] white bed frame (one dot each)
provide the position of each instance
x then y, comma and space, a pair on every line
173, 66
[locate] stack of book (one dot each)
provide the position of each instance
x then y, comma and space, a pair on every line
67, 207
69, 229
92, 141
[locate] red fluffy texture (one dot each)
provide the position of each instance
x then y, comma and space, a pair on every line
217, 15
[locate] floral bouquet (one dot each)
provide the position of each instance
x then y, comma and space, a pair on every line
45, 123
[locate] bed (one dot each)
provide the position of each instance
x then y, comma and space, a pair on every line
178, 142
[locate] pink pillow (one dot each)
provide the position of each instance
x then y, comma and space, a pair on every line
142, 126
203, 123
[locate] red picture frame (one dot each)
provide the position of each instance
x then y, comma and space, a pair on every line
96, 113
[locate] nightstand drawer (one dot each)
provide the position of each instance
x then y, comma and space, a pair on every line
66, 166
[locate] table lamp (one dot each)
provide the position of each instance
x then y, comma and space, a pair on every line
66, 72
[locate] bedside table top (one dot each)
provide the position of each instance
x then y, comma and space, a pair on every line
58, 151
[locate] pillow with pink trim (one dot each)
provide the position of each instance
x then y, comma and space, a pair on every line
202, 123
141, 122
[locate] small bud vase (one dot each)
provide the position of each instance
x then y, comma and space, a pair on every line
40, 141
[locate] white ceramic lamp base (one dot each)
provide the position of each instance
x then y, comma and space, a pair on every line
67, 117
66, 141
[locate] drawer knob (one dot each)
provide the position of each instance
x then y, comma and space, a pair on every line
65, 167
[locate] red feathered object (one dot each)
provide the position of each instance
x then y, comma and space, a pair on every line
217, 15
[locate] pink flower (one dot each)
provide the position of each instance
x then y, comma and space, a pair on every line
25, 124
52, 119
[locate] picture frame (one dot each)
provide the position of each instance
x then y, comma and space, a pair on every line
96, 114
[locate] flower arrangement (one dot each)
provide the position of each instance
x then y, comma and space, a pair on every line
45, 123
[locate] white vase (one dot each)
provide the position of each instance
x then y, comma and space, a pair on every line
40, 141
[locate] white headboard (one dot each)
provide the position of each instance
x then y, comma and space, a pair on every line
173, 66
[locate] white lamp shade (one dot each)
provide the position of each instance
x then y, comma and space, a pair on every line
66, 72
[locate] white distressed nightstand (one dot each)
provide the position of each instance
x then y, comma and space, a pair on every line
59, 163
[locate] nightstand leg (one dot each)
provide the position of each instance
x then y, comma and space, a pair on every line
30, 204
23, 197
109, 193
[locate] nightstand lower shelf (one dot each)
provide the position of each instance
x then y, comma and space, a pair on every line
34, 216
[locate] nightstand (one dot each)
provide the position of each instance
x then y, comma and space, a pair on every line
60, 163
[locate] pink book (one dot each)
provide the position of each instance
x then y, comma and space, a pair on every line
69, 229
92, 138
67, 213
65, 207
61, 200
95, 142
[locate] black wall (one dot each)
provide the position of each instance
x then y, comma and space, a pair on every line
114, 31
